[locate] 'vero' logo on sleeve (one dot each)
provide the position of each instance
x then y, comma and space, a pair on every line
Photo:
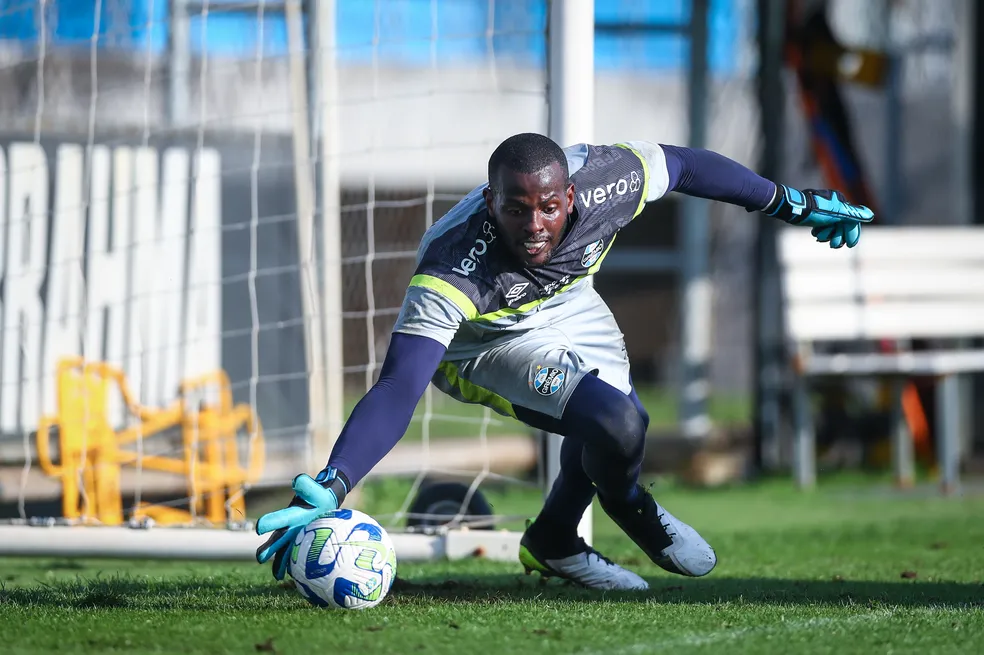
480, 247
603, 194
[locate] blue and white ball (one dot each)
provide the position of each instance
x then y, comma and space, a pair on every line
343, 560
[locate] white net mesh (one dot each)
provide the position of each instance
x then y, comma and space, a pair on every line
415, 140
159, 227
159, 218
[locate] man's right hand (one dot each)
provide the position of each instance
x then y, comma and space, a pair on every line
314, 497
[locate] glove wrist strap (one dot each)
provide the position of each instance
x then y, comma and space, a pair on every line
335, 481
790, 205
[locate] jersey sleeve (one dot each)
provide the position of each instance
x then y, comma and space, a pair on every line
433, 308
610, 189
654, 162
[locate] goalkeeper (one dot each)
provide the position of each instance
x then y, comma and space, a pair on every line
499, 313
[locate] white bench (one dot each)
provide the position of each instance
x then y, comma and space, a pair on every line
899, 283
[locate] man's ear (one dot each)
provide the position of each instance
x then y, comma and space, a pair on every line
570, 199
489, 200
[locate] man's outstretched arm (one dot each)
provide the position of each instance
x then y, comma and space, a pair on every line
427, 324
708, 174
377, 423
381, 418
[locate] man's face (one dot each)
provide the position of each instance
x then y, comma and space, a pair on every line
531, 210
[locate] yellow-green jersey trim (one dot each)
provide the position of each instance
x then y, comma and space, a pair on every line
473, 393
522, 309
447, 290
645, 177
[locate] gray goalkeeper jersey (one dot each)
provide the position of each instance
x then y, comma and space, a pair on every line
468, 290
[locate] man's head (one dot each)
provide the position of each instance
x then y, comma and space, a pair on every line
530, 196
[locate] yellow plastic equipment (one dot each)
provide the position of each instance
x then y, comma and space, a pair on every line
92, 453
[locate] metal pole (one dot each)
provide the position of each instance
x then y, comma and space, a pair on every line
571, 115
948, 432
179, 62
962, 108
976, 121
894, 134
324, 55
305, 195
696, 306
768, 326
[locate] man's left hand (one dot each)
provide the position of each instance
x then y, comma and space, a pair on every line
833, 219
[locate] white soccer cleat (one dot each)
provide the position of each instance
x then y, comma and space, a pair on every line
690, 554
669, 542
588, 568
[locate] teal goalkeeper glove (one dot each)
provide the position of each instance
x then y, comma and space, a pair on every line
833, 219
314, 497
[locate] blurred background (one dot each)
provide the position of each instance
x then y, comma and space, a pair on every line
236, 190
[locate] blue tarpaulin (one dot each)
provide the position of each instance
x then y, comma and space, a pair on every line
409, 32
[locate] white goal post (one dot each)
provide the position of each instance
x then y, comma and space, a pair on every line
211, 237
571, 106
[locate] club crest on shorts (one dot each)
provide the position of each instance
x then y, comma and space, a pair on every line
548, 380
592, 252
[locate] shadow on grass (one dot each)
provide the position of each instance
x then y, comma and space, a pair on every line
763, 591
231, 595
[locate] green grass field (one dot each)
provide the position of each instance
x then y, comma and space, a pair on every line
851, 568
450, 418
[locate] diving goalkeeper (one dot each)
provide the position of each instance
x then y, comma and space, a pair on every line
499, 313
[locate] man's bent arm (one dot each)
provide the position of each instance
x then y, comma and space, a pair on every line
381, 418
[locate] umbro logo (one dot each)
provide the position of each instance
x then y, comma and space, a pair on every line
517, 291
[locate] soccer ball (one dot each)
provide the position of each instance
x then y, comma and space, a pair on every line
343, 560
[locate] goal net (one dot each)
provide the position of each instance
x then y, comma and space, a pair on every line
210, 214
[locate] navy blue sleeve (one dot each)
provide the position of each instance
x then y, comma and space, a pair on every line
707, 174
382, 416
